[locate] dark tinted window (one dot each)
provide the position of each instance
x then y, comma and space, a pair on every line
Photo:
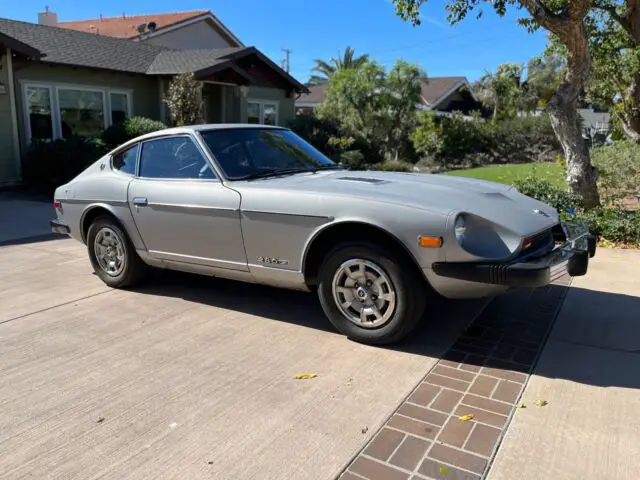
173, 157
247, 151
125, 161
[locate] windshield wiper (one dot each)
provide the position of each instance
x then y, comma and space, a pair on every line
287, 171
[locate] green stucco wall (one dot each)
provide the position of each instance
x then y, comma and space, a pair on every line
285, 104
8, 163
146, 99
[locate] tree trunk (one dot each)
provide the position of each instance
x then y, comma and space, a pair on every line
563, 105
630, 119
581, 175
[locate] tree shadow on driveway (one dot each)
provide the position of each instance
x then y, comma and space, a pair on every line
506, 333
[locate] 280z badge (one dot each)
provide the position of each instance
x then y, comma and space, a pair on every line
273, 261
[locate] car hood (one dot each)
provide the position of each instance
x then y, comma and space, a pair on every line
444, 194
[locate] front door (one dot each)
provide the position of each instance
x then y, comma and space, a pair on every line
182, 211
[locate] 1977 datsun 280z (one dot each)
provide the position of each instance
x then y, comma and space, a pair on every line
258, 204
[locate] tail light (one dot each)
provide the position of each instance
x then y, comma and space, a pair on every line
57, 204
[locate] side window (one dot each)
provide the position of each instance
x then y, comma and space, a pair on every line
125, 161
173, 157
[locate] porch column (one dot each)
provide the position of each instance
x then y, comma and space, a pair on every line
14, 114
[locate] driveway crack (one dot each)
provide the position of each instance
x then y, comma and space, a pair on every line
54, 306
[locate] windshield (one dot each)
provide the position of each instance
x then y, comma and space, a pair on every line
244, 153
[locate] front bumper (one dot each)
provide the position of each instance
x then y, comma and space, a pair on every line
571, 258
59, 227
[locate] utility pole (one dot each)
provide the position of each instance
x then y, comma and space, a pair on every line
287, 59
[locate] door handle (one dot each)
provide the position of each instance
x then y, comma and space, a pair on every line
140, 201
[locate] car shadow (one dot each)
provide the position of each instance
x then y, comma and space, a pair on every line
508, 332
46, 237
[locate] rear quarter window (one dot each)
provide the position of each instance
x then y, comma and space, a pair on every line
125, 161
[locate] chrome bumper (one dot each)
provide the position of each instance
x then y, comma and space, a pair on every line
570, 258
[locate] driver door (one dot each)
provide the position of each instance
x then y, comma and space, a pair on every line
182, 210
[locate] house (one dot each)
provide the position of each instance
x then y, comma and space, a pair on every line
439, 94
56, 81
181, 30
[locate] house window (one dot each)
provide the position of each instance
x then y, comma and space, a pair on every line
40, 120
82, 112
262, 112
119, 107
61, 111
253, 112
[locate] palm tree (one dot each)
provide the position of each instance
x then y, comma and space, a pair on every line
326, 69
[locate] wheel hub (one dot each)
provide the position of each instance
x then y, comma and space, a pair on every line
109, 251
364, 293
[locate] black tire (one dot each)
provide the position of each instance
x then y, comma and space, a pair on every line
410, 289
134, 268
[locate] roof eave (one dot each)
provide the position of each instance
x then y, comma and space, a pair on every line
20, 47
299, 87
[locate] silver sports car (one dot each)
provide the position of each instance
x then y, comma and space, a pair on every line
259, 204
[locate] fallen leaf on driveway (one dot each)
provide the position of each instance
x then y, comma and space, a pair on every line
467, 417
541, 403
305, 376
444, 470
364, 429
521, 405
100, 420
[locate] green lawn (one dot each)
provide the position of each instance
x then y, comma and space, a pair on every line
508, 174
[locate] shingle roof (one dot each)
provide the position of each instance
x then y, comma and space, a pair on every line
316, 94
181, 61
126, 26
434, 88
83, 49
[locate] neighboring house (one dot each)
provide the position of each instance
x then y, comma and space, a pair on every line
55, 82
595, 121
181, 30
439, 94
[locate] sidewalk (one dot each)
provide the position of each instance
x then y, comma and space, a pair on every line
589, 373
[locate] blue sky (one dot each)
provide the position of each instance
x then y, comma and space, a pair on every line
322, 29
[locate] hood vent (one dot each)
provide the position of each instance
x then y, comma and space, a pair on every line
372, 181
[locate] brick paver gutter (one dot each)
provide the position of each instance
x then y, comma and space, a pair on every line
483, 374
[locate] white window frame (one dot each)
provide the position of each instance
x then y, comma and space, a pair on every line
262, 103
56, 119
26, 113
128, 94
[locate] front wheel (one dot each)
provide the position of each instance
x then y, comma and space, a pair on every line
368, 296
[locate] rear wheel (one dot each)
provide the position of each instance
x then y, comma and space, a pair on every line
369, 296
112, 254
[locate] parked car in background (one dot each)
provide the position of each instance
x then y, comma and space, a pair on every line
259, 204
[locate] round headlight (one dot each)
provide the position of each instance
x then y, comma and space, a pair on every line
460, 229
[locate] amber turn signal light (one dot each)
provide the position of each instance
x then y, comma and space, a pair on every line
430, 242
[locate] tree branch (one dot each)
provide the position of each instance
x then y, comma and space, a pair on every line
624, 22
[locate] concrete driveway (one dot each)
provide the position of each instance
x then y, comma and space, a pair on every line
188, 377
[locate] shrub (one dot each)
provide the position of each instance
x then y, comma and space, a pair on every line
184, 99
618, 170
547, 192
353, 159
49, 164
327, 135
458, 140
120, 133
612, 224
393, 166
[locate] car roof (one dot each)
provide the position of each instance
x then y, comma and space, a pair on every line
197, 128
210, 126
